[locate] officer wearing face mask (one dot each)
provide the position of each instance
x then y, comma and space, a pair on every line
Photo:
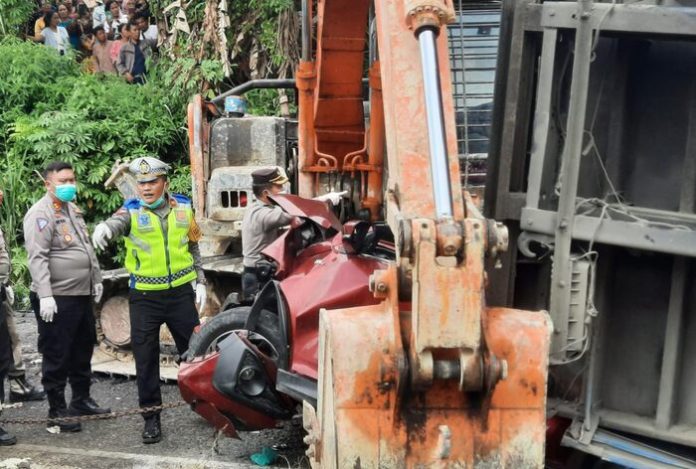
262, 221
166, 275
65, 276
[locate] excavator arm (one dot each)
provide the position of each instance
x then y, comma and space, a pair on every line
431, 376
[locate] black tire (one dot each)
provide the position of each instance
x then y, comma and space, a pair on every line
223, 323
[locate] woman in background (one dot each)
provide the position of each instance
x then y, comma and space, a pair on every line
53, 35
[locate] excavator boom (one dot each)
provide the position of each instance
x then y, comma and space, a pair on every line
431, 375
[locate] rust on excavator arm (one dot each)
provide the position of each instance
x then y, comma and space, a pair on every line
432, 376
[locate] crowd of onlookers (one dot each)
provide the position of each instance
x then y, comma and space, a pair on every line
107, 36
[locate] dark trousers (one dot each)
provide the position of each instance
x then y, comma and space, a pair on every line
5, 348
174, 307
250, 284
66, 346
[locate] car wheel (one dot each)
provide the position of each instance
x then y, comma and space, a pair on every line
206, 340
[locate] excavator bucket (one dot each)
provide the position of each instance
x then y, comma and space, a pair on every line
363, 372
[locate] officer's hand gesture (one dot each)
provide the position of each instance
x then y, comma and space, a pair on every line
98, 292
333, 197
48, 308
102, 235
201, 295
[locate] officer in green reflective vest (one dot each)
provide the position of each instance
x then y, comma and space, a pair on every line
163, 259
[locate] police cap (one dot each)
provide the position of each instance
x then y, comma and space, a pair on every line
147, 168
269, 176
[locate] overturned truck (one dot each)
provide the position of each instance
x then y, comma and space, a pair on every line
593, 168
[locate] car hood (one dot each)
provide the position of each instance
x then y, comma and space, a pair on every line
318, 212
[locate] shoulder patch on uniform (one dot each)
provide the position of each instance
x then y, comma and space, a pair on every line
41, 223
132, 204
182, 199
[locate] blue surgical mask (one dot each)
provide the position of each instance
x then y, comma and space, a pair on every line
156, 204
66, 192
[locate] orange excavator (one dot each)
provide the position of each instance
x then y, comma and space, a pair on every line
430, 376
425, 373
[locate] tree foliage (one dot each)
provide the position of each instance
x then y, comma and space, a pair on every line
14, 15
51, 110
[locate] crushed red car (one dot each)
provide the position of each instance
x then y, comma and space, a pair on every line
251, 365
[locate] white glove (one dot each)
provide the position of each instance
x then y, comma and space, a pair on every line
201, 295
102, 235
333, 197
98, 292
9, 295
48, 307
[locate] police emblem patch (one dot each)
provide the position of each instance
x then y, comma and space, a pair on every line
143, 219
42, 223
144, 166
180, 215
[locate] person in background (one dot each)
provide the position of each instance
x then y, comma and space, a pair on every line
116, 45
147, 33
98, 14
65, 278
5, 359
72, 11
80, 31
75, 33
101, 52
122, 5
53, 35
20, 388
142, 6
65, 20
128, 7
40, 23
131, 60
114, 19
85, 19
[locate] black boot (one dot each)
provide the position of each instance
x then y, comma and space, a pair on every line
153, 430
64, 426
87, 406
58, 409
6, 439
22, 390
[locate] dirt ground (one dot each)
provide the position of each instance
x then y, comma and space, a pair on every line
188, 441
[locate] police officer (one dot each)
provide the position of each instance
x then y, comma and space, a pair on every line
5, 350
65, 275
20, 388
263, 220
163, 259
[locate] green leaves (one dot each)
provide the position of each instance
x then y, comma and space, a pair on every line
14, 14
50, 111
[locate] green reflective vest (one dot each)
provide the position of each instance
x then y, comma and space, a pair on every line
158, 260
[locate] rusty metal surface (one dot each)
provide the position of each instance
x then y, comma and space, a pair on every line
404, 112
364, 421
115, 321
399, 396
198, 128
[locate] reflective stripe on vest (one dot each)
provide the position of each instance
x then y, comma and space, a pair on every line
157, 261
